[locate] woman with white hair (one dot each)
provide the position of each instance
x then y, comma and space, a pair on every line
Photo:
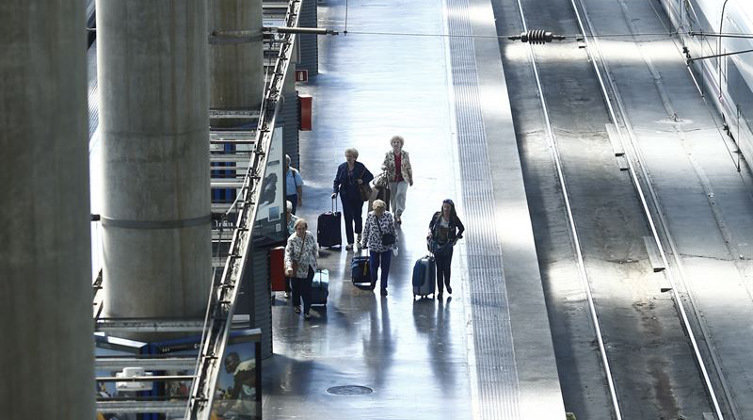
380, 237
301, 255
399, 174
350, 176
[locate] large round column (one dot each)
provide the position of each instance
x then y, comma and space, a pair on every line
153, 81
236, 67
47, 350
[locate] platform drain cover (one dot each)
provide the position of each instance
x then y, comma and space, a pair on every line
350, 390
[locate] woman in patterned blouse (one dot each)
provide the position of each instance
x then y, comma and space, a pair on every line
302, 250
378, 223
400, 175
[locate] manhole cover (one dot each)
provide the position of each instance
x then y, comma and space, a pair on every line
350, 390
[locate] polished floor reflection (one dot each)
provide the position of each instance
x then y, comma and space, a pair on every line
391, 357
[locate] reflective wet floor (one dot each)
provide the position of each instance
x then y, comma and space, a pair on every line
391, 357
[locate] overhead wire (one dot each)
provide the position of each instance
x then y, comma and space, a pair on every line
669, 34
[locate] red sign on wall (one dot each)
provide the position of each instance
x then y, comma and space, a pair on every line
301, 75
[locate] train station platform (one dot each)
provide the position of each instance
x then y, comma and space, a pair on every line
430, 71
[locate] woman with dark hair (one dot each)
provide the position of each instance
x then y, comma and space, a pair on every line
445, 229
351, 175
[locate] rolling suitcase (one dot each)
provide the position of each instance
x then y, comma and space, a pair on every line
328, 227
424, 277
277, 268
320, 288
361, 272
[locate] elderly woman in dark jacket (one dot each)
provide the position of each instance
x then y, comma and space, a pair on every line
350, 176
445, 229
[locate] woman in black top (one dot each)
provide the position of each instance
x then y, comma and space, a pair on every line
350, 175
445, 229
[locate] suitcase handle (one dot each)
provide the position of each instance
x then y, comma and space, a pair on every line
334, 204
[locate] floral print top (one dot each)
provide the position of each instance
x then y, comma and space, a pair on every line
371, 234
406, 171
306, 258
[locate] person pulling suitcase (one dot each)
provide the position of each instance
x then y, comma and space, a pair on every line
301, 258
380, 236
445, 228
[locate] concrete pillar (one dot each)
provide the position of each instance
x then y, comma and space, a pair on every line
47, 350
152, 71
236, 69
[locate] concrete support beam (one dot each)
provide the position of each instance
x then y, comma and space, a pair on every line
153, 72
236, 69
47, 351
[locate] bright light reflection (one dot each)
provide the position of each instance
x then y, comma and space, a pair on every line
515, 226
628, 51
614, 51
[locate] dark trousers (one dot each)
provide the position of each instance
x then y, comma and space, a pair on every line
352, 209
294, 201
443, 270
377, 259
302, 290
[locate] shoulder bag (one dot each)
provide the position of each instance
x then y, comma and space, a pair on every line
363, 188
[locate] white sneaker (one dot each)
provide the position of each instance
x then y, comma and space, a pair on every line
349, 247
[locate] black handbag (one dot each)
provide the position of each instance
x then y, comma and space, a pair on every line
387, 238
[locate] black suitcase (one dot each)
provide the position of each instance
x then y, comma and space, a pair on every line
328, 224
320, 288
360, 272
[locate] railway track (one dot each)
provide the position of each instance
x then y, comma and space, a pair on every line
588, 174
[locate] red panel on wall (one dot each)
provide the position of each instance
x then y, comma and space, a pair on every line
305, 102
277, 268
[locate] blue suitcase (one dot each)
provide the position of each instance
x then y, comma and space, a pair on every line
360, 272
328, 224
320, 288
424, 277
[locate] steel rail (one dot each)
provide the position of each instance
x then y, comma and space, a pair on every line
727, 393
596, 60
218, 318
551, 139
